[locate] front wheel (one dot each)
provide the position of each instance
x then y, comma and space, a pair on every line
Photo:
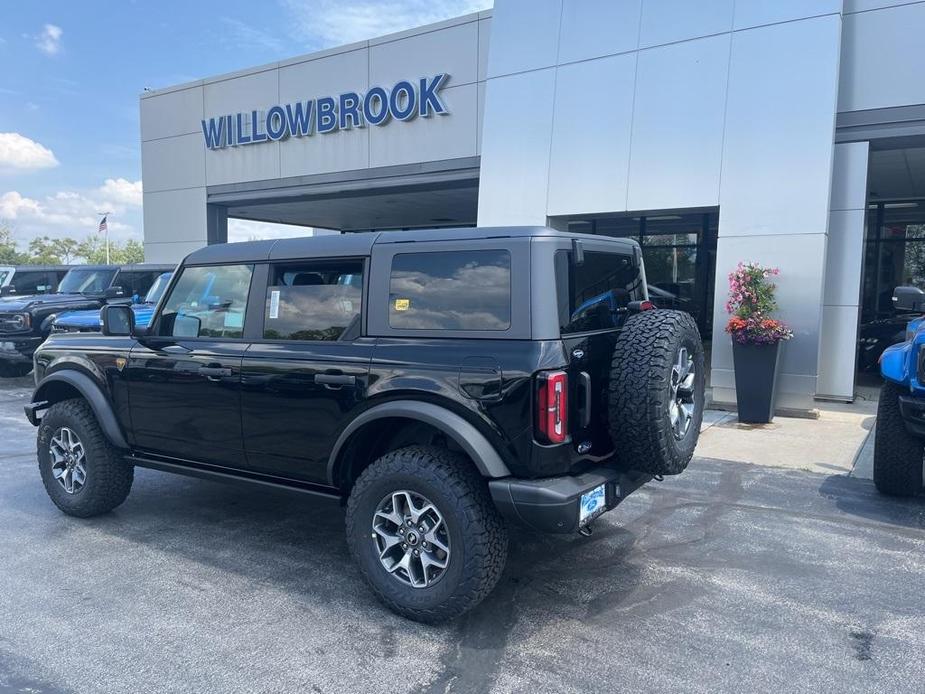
83, 473
898, 455
425, 534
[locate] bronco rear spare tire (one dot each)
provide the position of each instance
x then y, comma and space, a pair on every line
656, 392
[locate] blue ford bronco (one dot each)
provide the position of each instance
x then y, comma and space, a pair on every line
88, 320
440, 384
899, 443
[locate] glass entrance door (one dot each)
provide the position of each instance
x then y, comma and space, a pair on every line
894, 255
679, 251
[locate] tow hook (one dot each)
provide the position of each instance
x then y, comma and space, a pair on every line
585, 530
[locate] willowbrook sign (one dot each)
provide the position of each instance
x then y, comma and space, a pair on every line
405, 101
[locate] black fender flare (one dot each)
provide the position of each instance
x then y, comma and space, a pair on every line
470, 439
94, 396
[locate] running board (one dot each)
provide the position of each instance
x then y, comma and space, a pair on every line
223, 474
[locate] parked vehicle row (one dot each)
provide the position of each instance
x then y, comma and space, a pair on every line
26, 320
26, 280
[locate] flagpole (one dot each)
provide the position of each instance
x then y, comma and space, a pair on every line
105, 226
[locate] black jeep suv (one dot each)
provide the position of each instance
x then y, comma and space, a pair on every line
25, 321
440, 383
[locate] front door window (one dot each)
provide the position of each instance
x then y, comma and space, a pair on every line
207, 302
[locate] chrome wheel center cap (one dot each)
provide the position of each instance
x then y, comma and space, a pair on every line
411, 538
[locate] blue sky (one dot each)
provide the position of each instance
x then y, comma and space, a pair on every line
71, 73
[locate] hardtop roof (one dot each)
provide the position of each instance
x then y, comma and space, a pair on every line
361, 243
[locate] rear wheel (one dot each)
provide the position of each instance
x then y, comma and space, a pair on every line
425, 534
656, 392
84, 474
898, 455
14, 369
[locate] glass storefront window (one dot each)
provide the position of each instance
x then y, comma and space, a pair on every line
679, 251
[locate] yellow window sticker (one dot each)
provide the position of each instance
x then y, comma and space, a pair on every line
402, 304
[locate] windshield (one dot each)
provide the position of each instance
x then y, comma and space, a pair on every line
82, 281
157, 289
5, 274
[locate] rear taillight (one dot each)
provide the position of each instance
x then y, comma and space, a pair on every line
552, 407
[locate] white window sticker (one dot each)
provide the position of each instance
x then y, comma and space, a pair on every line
274, 303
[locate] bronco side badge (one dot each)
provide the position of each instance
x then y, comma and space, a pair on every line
121, 362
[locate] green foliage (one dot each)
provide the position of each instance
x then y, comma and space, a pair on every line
8, 253
45, 250
93, 250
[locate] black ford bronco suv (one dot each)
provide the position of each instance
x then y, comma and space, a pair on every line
25, 321
441, 383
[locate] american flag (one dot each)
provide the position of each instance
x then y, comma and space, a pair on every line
103, 226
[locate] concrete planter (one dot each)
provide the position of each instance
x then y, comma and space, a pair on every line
756, 381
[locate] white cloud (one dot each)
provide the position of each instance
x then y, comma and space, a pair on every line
49, 41
75, 214
345, 21
122, 192
19, 152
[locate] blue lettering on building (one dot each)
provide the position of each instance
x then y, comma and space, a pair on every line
406, 100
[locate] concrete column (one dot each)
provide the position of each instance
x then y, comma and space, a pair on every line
775, 189
216, 224
843, 267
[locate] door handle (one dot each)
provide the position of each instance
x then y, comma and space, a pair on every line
335, 380
214, 373
175, 349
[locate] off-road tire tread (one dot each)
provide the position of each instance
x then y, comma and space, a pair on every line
109, 476
643, 353
898, 455
483, 528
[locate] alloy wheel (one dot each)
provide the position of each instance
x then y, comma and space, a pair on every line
681, 404
68, 460
411, 538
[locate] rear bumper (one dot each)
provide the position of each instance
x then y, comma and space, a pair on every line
551, 505
19, 349
913, 414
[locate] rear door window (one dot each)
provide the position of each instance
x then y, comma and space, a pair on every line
455, 290
595, 295
314, 301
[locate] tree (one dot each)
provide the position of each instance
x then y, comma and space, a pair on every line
42, 252
133, 252
8, 253
93, 250
66, 249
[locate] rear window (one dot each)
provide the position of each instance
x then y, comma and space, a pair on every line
594, 295
457, 290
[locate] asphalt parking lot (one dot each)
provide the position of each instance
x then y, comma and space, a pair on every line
728, 578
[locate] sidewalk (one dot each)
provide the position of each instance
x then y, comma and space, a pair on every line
838, 442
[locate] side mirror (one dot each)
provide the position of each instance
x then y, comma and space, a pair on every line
6, 291
117, 319
114, 293
909, 299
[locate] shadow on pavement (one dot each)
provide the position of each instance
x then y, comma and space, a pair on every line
860, 498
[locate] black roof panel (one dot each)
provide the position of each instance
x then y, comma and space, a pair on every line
356, 244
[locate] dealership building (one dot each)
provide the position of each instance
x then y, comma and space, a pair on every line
788, 132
